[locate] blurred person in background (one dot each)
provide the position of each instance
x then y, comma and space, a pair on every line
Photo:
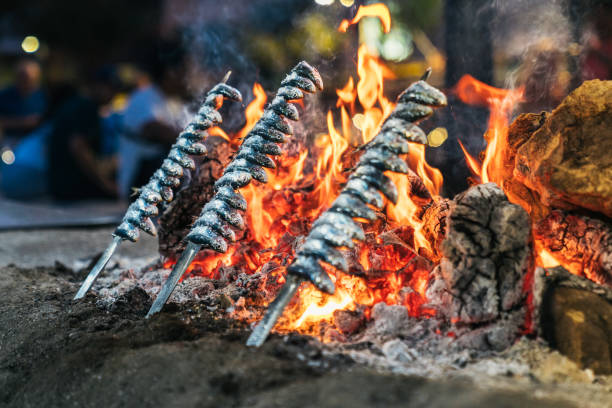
148, 129
26, 177
77, 168
22, 104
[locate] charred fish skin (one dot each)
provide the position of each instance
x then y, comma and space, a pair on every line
338, 226
160, 186
252, 158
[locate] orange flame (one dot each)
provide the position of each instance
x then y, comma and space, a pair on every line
546, 259
501, 103
252, 113
312, 306
254, 110
217, 131
373, 10
473, 164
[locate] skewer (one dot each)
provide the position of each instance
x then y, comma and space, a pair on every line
186, 258
160, 186
275, 310
98, 267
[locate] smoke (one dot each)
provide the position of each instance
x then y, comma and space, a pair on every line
520, 25
509, 44
218, 36
535, 39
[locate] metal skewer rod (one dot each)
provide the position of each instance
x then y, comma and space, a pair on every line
275, 310
93, 274
179, 269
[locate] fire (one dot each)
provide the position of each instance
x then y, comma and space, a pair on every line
322, 307
217, 131
352, 291
473, 164
373, 10
501, 103
252, 113
303, 185
546, 259
254, 110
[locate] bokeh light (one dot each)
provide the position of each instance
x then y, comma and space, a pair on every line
8, 157
396, 45
30, 44
324, 2
437, 137
347, 3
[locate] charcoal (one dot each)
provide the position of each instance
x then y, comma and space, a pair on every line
349, 322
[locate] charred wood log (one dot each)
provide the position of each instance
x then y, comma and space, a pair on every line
561, 159
582, 244
575, 316
434, 227
486, 256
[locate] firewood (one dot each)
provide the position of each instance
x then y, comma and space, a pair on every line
575, 316
566, 161
581, 243
486, 255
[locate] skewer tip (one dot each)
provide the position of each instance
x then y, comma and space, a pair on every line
426, 75
227, 76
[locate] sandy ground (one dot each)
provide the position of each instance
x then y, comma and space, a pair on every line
55, 352
71, 246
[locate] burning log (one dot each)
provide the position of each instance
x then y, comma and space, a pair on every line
567, 160
486, 258
582, 244
556, 165
337, 227
559, 159
213, 229
160, 186
434, 227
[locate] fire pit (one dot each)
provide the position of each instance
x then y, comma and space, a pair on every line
442, 274
507, 281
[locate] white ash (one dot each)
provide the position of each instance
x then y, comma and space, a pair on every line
529, 366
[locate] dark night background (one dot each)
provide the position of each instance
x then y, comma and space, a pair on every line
182, 47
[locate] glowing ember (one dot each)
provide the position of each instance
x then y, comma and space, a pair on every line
546, 260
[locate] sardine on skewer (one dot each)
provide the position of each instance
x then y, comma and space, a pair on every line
214, 227
163, 182
338, 226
